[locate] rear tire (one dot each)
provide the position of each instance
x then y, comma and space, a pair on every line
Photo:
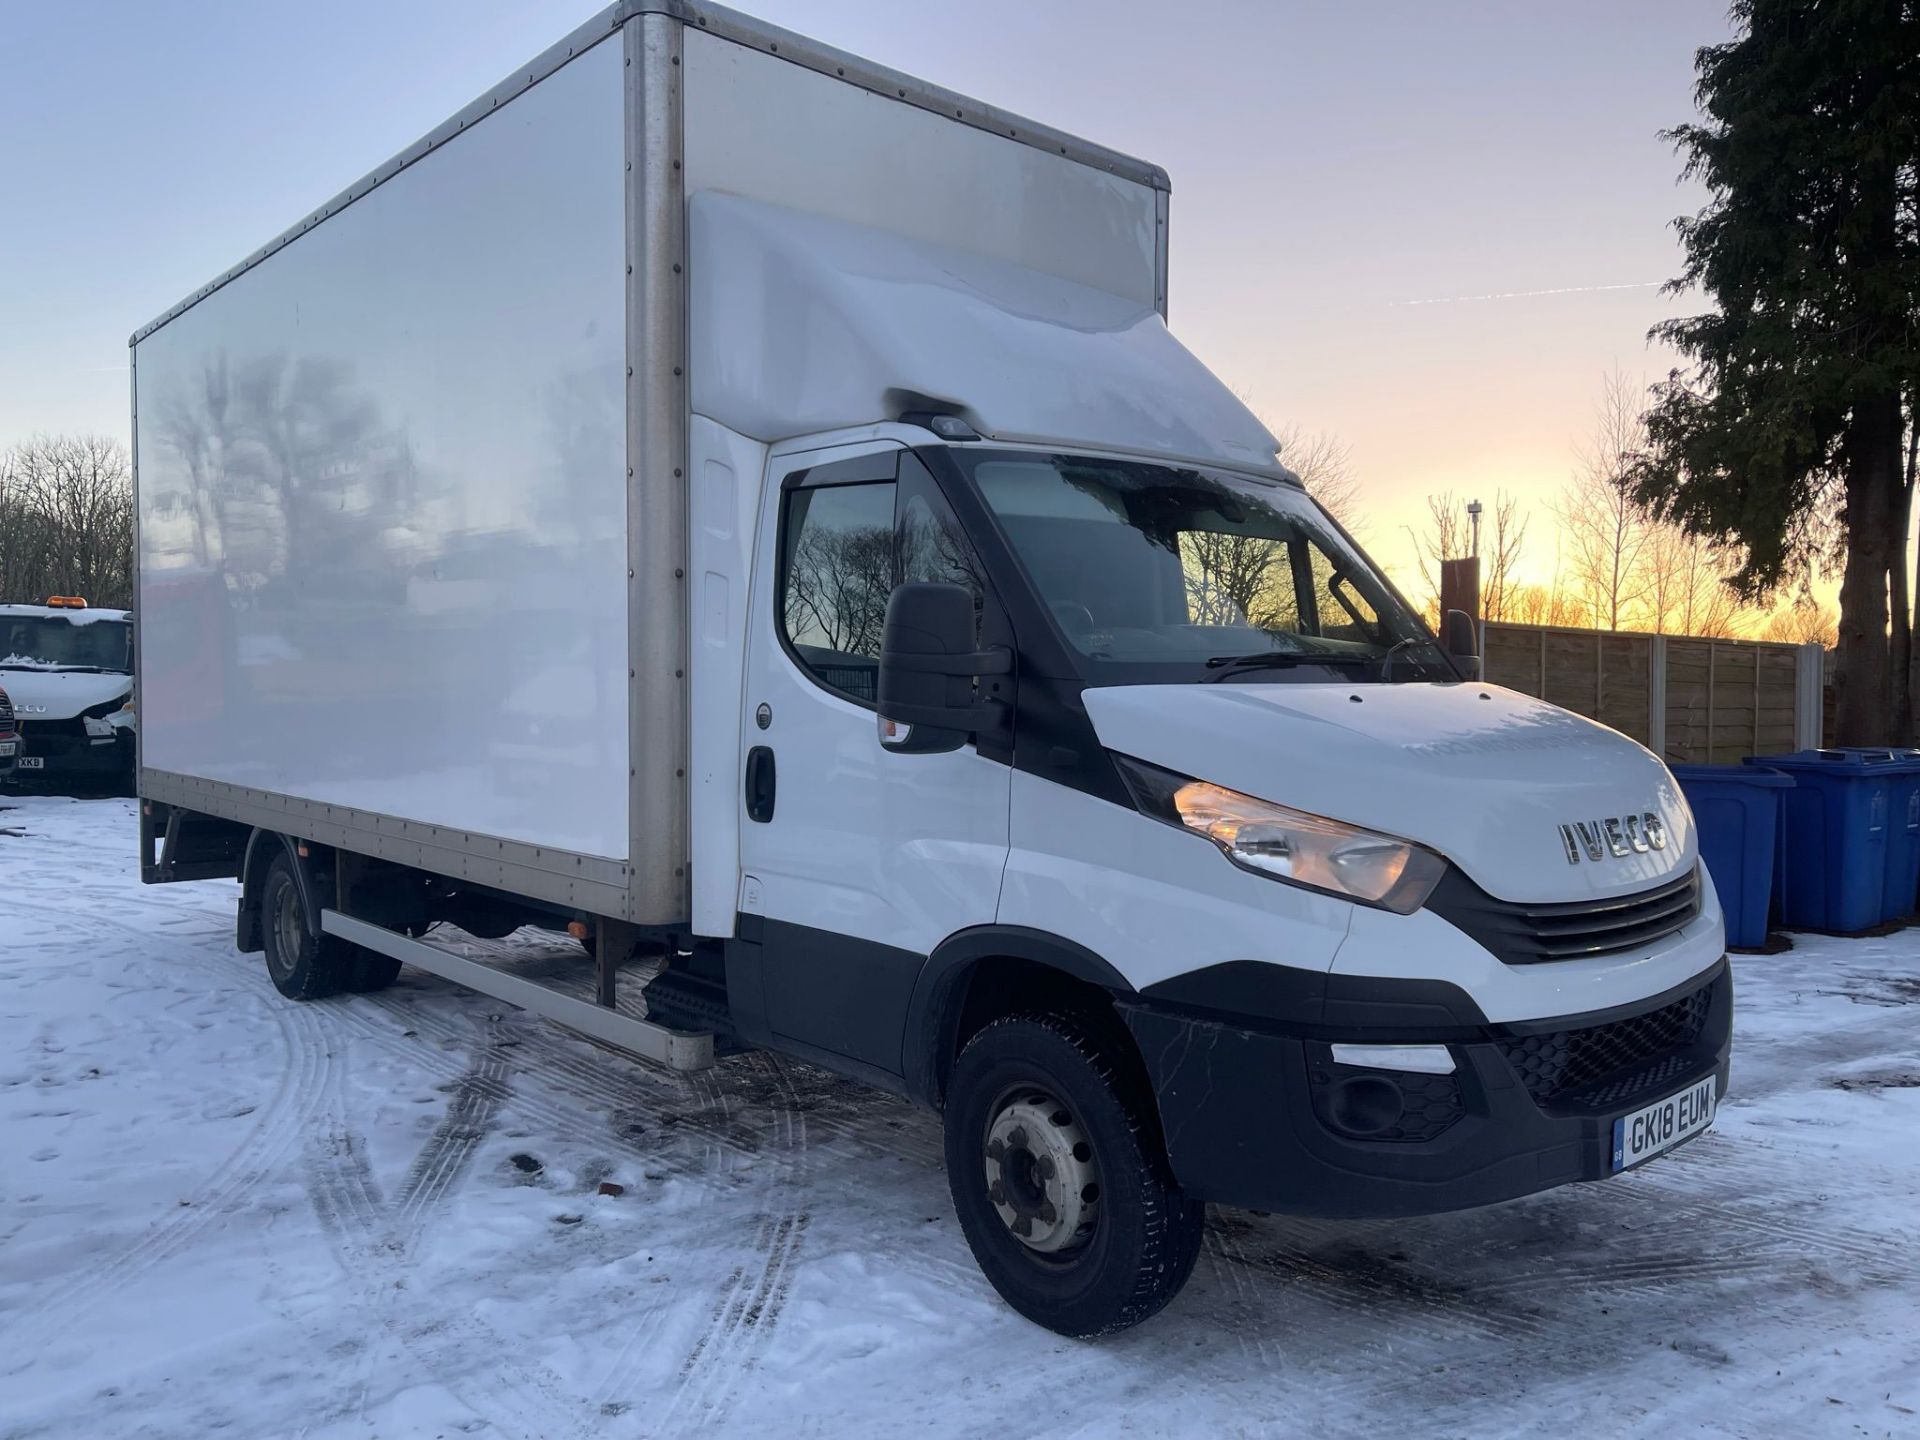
1060, 1181
371, 971
301, 964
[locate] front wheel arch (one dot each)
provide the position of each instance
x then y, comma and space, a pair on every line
979, 974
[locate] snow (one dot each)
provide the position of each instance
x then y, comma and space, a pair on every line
225, 1214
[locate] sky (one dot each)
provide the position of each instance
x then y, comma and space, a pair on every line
1429, 230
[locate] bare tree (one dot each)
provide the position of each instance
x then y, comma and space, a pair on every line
1448, 535
1501, 556
1806, 619
1325, 463
1237, 579
66, 520
838, 581
1685, 590
1606, 529
1548, 605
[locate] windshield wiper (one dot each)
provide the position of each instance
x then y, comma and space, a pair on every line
1227, 665
1393, 651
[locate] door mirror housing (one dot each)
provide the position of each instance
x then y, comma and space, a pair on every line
926, 697
1461, 638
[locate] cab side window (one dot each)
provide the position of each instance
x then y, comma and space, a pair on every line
836, 572
844, 545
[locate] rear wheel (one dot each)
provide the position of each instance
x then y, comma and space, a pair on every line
371, 971
303, 965
1060, 1181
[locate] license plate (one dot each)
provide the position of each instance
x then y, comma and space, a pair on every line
7, 746
33, 762
1662, 1125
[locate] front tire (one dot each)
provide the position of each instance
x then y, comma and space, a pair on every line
1059, 1179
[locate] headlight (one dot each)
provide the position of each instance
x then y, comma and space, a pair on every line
1289, 844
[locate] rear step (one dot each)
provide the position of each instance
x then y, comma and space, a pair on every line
676, 1049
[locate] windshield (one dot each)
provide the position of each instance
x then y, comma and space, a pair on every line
53, 642
1161, 573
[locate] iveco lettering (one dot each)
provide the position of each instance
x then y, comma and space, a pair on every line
759, 522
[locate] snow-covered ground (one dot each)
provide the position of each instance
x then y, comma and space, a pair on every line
225, 1214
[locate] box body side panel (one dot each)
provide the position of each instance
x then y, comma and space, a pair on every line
766, 129
383, 500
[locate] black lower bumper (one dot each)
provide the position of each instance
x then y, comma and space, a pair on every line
65, 758
1260, 1115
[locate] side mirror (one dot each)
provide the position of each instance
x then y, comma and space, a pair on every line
927, 664
1461, 637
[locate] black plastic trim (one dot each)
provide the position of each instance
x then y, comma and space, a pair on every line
1237, 1108
1309, 1002
824, 994
1517, 932
1053, 738
929, 1035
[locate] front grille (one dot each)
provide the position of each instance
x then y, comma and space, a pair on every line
1603, 1065
73, 728
6, 711
1529, 933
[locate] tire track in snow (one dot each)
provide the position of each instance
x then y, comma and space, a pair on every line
741, 1323
258, 1156
299, 1111
743, 1316
477, 1097
1227, 1264
373, 1243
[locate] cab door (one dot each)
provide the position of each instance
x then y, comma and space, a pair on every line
855, 861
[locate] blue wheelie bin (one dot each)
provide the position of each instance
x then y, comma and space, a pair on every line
1836, 822
1898, 900
1737, 810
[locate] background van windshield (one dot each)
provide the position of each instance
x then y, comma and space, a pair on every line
1146, 564
51, 642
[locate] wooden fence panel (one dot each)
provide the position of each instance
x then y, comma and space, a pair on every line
1720, 700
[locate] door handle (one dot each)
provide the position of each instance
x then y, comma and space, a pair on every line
760, 784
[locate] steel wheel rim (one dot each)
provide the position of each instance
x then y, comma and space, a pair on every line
289, 931
1042, 1176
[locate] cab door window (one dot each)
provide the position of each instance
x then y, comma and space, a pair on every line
843, 549
836, 573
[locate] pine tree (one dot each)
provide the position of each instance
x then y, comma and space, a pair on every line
1794, 410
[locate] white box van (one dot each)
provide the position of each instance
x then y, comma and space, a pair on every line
744, 507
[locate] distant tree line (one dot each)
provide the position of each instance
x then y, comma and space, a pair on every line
66, 521
1618, 563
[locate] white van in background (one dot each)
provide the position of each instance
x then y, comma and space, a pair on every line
69, 670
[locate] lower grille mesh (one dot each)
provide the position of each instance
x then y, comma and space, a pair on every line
1628, 1055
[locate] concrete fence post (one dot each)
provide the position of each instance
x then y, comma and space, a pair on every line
1809, 695
1657, 696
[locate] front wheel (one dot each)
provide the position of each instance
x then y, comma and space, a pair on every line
1060, 1181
